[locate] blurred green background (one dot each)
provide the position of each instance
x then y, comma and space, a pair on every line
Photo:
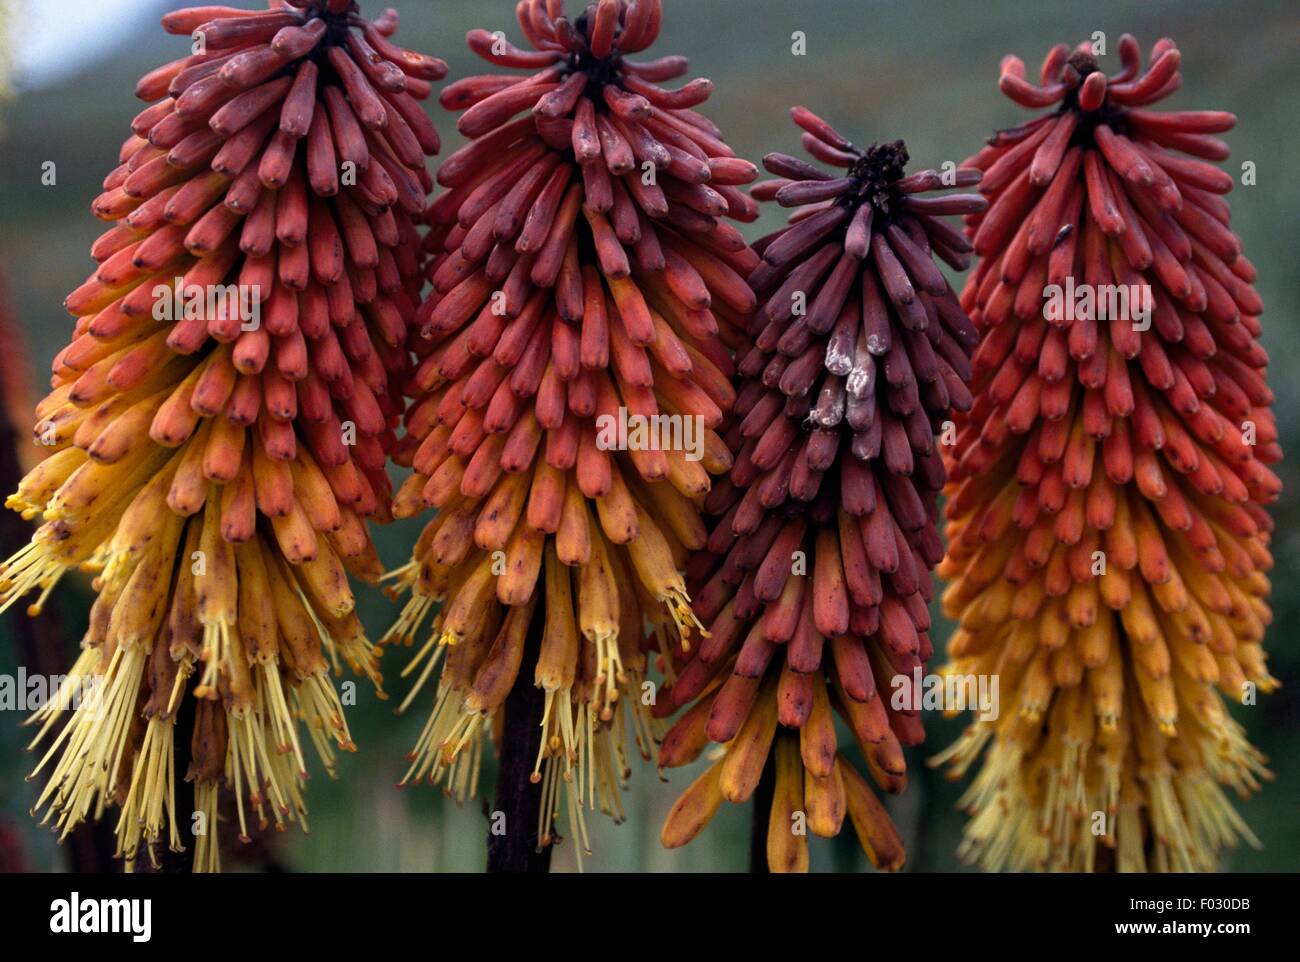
924, 72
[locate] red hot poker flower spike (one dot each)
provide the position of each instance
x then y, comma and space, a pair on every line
586, 286
1107, 530
816, 579
220, 423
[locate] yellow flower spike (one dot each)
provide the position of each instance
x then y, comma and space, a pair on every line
1138, 503
537, 405
213, 476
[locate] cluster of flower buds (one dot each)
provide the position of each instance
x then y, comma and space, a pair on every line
572, 372
219, 425
815, 581
1108, 535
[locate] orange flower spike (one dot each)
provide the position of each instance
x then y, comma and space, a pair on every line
582, 284
253, 423
1110, 268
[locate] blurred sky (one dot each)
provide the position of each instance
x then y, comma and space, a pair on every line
45, 31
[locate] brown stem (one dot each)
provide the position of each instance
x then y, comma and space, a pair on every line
516, 850
762, 802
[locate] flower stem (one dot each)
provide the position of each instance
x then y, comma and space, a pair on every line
512, 847
762, 816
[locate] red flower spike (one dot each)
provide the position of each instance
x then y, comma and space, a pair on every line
1108, 538
586, 286
219, 426
815, 581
